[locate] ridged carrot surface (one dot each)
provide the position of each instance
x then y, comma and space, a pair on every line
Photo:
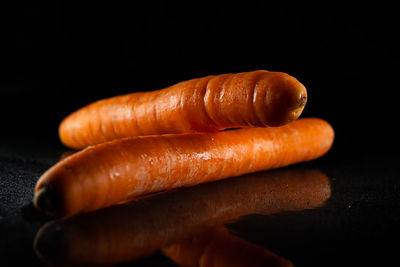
218, 247
212, 103
126, 232
120, 170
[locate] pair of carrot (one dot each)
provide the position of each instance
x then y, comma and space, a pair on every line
134, 152
166, 221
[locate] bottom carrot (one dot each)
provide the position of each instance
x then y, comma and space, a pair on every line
124, 169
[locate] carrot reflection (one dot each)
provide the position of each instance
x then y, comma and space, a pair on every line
136, 229
217, 247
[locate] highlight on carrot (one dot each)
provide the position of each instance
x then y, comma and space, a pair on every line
209, 104
136, 229
218, 247
124, 169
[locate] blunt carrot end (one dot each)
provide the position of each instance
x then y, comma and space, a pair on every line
298, 107
45, 200
303, 100
279, 98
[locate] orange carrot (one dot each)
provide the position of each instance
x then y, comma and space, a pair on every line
217, 247
208, 104
133, 230
123, 169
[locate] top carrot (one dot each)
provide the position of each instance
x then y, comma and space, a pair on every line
212, 103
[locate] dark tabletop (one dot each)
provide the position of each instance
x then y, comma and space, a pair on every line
355, 221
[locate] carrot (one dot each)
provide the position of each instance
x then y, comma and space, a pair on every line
123, 169
208, 104
136, 229
218, 247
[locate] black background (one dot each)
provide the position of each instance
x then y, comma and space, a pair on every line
57, 57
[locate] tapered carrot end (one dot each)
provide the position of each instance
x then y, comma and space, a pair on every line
46, 201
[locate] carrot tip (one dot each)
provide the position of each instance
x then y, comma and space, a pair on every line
302, 100
45, 200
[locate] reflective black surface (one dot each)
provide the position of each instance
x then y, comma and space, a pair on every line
337, 210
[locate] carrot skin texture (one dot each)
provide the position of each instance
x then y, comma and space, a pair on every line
136, 229
218, 247
120, 170
209, 104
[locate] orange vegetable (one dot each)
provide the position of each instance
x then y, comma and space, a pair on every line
123, 169
217, 247
133, 230
208, 104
